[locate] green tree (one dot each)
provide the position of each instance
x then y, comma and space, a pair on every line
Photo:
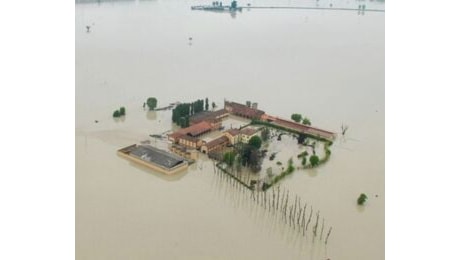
116, 113
255, 160
238, 163
291, 167
362, 198
314, 160
296, 117
255, 142
304, 161
206, 104
187, 121
214, 105
229, 158
301, 138
122, 111
152, 103
306, 121
265, 134
234, 5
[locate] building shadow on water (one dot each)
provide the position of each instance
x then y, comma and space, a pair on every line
170, 178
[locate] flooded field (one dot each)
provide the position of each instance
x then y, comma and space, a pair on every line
327, 65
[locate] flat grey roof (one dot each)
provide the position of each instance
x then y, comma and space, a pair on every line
154, 155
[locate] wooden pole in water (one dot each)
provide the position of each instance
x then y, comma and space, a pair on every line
287, 200
328, 233
278, 198
322, 228
303, 219
268, 201
298, 216
295, 206
282, 200
309, 218
265, 199
316, 225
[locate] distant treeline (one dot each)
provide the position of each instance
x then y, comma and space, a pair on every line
181, 114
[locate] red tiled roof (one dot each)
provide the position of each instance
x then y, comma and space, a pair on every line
188, 138
193, 130
233, 131
208, 116
248, 131
175, 135
199, 128
304, 128
218, 141
241, 109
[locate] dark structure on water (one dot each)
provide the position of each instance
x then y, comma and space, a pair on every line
218, 7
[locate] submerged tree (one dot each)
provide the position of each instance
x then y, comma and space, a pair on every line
296, 117
265, 134
362, 198
122, 111
234, 4
306, 121
152, 103
229, 158
116, 113
314, 160
255, 142
301, 138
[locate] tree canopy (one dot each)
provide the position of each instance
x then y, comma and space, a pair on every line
306, 121
255, 142
265, 134
362, 198
314, 160
229, 158
234, 4
301, 138
116, 113
182, 112
296, 117
152, 103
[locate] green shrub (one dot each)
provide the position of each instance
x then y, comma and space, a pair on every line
122, 111
304, 161
362, 198
314, 160
116, 113
152, 103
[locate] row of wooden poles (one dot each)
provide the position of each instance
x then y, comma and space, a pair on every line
293, 212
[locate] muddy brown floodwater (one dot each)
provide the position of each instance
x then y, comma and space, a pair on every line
327, 65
